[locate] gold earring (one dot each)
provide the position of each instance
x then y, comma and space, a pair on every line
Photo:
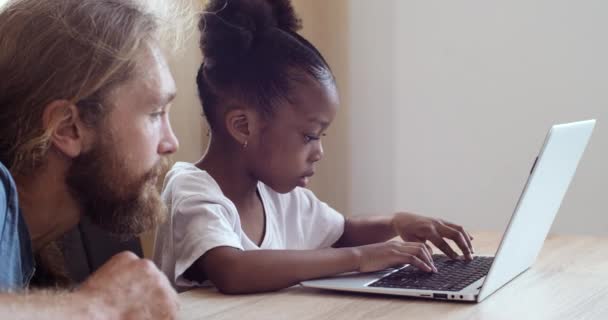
245, 144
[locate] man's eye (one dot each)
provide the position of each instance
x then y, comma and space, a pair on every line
157, 114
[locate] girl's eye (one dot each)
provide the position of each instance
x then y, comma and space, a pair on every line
309, 137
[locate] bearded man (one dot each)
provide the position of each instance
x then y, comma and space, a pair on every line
85, 93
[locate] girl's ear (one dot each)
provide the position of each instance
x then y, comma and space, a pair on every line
240, 124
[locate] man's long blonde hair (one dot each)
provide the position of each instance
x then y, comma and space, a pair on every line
75, 50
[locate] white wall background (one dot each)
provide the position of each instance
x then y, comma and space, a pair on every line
449, 102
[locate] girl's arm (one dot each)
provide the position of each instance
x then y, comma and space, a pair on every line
411, 227
234, 271
365, 230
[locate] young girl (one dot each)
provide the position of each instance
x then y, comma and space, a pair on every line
240, 217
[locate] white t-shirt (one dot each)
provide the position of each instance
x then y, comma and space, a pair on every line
202, 218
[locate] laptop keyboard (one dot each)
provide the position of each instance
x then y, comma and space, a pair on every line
452, 275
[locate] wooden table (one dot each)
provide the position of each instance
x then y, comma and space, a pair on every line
568, 281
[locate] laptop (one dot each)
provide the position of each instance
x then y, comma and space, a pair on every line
521, 243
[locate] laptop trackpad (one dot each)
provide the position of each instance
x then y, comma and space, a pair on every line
346, 280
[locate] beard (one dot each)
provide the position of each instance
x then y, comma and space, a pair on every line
111, 196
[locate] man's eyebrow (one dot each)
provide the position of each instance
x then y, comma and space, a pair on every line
169, 98
165, 100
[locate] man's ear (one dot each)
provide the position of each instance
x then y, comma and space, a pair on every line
241, 124
65, 127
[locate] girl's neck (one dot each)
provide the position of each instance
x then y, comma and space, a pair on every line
224, 162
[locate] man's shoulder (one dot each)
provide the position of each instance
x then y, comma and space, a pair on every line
17, 262
5, 178
7, 187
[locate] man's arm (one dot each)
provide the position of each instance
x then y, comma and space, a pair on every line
126, 287
50, 305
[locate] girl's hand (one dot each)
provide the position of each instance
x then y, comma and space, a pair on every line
412, 227
380, 256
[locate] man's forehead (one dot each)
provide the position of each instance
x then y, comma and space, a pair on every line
142, 94
154, 73
151, 84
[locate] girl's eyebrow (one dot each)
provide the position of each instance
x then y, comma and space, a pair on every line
324, 124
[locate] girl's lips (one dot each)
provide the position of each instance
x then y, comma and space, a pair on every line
305, 178
308, 174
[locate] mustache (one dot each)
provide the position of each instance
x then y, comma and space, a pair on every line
158, 170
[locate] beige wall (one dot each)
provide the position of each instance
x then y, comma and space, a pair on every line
325, 24
186, 114
450, 102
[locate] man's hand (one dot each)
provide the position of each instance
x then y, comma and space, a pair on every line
127, 287
412, 227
